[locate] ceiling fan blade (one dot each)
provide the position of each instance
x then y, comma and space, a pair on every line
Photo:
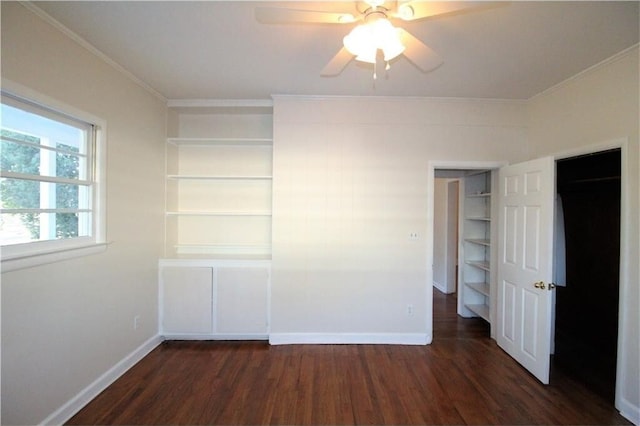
337, 63
421, 55
413, 10
274, 15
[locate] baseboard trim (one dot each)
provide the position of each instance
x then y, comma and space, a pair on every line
629, 411
349, 338
221, 336
440, 287
75, 404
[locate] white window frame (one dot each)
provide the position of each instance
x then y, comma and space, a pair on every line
20, 256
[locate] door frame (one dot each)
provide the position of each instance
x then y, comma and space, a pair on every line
432, 166
625, 327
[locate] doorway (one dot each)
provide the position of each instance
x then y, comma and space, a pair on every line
587, 296
459, 199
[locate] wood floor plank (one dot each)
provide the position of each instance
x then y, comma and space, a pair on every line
463, 377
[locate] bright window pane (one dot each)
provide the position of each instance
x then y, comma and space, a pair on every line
19, 228
18, 158
19, 194
46, 184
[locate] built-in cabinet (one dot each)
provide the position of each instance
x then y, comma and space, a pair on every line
477, 272
215, 275
214, 299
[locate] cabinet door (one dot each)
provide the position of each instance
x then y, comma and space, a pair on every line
187, 300
242, 306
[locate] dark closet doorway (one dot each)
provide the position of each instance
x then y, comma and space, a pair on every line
586, 326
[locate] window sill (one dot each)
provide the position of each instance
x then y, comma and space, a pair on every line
42, 258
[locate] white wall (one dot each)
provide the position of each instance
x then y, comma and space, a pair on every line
453, 198
445, 236
440, 228
350, 184
594, 110
65, 324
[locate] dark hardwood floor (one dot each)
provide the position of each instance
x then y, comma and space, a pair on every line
461, 378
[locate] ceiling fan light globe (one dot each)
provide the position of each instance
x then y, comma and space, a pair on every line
392, 45
368, 55
381, 31
357, 40
364, 41
392, 51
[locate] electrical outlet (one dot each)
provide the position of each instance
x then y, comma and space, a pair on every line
136, 322
409, 310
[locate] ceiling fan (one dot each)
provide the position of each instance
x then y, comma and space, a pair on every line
374, 32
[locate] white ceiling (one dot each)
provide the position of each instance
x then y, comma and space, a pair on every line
217, 49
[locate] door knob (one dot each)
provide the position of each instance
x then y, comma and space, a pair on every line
540, 284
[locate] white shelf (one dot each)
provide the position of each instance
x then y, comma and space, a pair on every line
479, 195
479, 241
235, 142
479, 218
482, 288
477, 172
208, 213
220, 250
481, 310
480, 264
211, 177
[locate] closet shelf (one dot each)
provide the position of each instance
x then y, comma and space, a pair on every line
480, 218
482, 288
479, 241
481, 310
481, 264
479, 194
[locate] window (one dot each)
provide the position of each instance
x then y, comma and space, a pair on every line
48, 180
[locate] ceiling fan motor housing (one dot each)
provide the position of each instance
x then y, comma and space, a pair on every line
374, 6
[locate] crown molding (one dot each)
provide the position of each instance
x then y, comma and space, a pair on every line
219, 103
610, 60
91, 48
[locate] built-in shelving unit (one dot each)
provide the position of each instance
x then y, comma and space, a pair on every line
477, 272
215, 277
219, 182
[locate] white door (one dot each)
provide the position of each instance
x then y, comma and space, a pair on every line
526, 205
